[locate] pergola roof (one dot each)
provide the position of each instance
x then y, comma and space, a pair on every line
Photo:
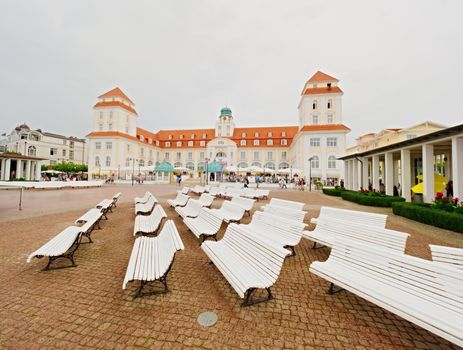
18, 156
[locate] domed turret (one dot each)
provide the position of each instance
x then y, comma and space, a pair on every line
225, 112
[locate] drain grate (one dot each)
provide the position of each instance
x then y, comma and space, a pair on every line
208, 318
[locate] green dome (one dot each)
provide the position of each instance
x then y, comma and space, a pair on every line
225, 112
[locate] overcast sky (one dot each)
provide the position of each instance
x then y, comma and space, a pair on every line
398, 62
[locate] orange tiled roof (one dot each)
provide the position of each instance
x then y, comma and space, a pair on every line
115, 104
323, 90
116, 92
111, 134
321, 77
325, 127
264, 136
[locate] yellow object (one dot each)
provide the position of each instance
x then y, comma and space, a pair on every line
439, 184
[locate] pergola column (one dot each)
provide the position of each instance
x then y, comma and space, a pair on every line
28, 170
37, 171
355, 174
7, 169
375, 173
2, 171
405, 174
457, 167
18, 168
346, 174
389, 173
428, 173
365, 162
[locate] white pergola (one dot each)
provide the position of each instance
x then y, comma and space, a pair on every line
26, 167
400, 163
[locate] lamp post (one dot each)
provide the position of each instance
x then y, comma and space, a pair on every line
207, 173
133, 169
310, 174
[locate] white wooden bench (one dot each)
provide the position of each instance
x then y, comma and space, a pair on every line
329, 214
447, 255
143, 199
184, 190
105, 206
152, 258
115, 199
207, 188
149, 224
89, 221
247, 263
229, 212
427, 294
255, 193
326, 233
63, 245
287, 213
198, 189
245, 203
205, 200
286, 233
191, 209
146, 208
286, 204
181, 200
205, 225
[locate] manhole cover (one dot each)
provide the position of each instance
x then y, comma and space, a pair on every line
207, 319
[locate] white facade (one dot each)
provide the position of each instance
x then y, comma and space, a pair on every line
53, 148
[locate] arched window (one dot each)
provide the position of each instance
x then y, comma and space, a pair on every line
108, 161
330, 103
201, 166
190, 166
257, 164
243, 165
221, 155
315, 162
31, 151
270, 165
331, 162
97, 161
314, 104
283, 165
178, 165
141, 162
150, 163
127, 162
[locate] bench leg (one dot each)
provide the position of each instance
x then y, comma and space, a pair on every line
69, 255
163, 281
292, 249
247, 297
315, 245
333, 289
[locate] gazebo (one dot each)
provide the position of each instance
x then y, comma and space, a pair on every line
215, 167
163, 171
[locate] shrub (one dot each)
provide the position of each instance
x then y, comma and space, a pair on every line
373, 199
428, 215
333, 191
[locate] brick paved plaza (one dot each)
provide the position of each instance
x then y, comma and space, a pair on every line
85, 307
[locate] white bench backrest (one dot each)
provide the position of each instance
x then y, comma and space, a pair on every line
374, 219
185, 190
182, 198
246, 203
205, 199
292, 214
448, 255
233, 208
277, 221
287, 204
208, 216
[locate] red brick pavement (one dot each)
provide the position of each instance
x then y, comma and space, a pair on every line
85, 307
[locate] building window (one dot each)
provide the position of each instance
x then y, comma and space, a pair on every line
126, 129
314, 104
243, 134
202, 143
97, 145
179, 143
283, 165
151, 154
201, 155
64, 153
269, 142
242, 155
269, 134
141, 162
243, 142
330, 119
179, 155
283, 133
269, 155
128, 148
410, 136
256, 142
108, 161
142, 152
315, 162
256, 134
100, 127
190, 155
97, 161
71, 155
109, 145
181, 136
71, 144
192, 136
190, 143
127, 162
167, 144
101, 115
190, 166
331, 162
31, 151
284, 154
242, 165
178, 165
284, 142
269, 165
220, 155
170, 137
315, 120
330, 103
64, 141
331, 142
142, 138
219, 130
166, 156
256, 155
228, 130
150, 163
110, 126
315, 142
204, 136
150, 140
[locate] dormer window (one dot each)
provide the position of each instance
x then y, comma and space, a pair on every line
243, 134
204, 136
256, 134
190, 143
256, 142
181, 136
328, 85
315, 86
269, 142
142, 138
243, 143
284, 142
269, 134
170, 137
157, 143
150, 141
179, 143
167, 144
283, 133
192, 136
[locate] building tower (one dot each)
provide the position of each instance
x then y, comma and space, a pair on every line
225, 126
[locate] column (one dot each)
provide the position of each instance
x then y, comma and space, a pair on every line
18, 168
355, 174
405, 174
7, 169
346, 173
37, 170
365, 173
389, 173
27, 175
2, 171
351, 174
457, 167
375, 172
428, 173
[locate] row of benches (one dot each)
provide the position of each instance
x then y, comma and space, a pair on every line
66, 243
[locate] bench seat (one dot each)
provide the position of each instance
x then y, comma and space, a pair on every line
143, 199
245, 203
205, 225
105, 206
229, 212
286, 204
191, 209
180, 201
287, 213
146, 208
89, 221
337, 214
423, 292
447, 255
149, 224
